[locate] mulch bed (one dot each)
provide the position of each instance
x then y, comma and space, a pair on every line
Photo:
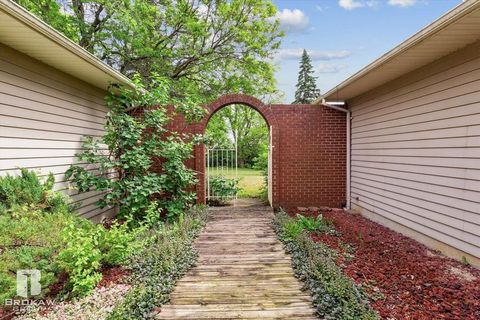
112, 275
417, 283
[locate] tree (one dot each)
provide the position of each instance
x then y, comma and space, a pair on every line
241, 123
306, 86
206, 47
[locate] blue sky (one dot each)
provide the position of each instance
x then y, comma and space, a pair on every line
342, 36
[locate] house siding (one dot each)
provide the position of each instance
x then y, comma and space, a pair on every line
44, 115
416, 151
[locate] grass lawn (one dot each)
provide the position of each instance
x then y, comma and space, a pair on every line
251, 181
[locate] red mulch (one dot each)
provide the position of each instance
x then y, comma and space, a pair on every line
55, 288
111, 275
417, 283
6, 314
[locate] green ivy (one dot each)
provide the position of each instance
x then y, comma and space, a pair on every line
335, 295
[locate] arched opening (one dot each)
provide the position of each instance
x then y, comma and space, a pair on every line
241, 159
236, 156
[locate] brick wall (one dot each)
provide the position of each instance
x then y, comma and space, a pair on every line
311, 156
309, 151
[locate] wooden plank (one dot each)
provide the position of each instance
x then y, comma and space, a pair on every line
242, 272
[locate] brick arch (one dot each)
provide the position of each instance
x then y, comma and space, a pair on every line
226, 100
309, 151
229, 99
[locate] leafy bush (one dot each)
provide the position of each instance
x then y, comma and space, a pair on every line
168, 255
335, 295
82, 258
32, 217
261, 160
41, 231
132, 144
30, 241
89, 246
223, 189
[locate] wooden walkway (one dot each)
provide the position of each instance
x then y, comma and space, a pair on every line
242, 273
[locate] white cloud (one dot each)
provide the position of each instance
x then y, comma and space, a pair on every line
330, 67
355, 4
350, 4
292, 20
402, 3
296, 54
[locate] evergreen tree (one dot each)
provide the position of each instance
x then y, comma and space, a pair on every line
307, 90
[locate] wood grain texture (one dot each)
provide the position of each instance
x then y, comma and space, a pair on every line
242, 273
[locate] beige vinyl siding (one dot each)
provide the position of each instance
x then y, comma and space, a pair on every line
44, 114
416, 150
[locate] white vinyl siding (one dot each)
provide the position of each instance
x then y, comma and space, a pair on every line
44, 115
416, 150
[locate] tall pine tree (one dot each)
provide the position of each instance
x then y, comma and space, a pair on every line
307, 90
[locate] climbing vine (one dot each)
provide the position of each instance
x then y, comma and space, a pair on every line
120, 163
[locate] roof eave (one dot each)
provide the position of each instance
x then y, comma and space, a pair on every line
439, 24
43, 29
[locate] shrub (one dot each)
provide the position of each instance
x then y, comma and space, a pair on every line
129, 148
334, 295
81, 258
31, 220
168, 255
27, 189
223, 189
89, 246
41, 231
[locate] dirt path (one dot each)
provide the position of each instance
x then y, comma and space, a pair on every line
242, 273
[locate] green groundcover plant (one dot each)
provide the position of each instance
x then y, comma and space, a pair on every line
335, 295
166, 256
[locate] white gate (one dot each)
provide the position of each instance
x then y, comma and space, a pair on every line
220, 163
269, 178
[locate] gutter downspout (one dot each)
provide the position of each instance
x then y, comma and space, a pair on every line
349, 151
348, 133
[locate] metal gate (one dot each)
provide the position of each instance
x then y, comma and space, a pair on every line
270, 167
220, 164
